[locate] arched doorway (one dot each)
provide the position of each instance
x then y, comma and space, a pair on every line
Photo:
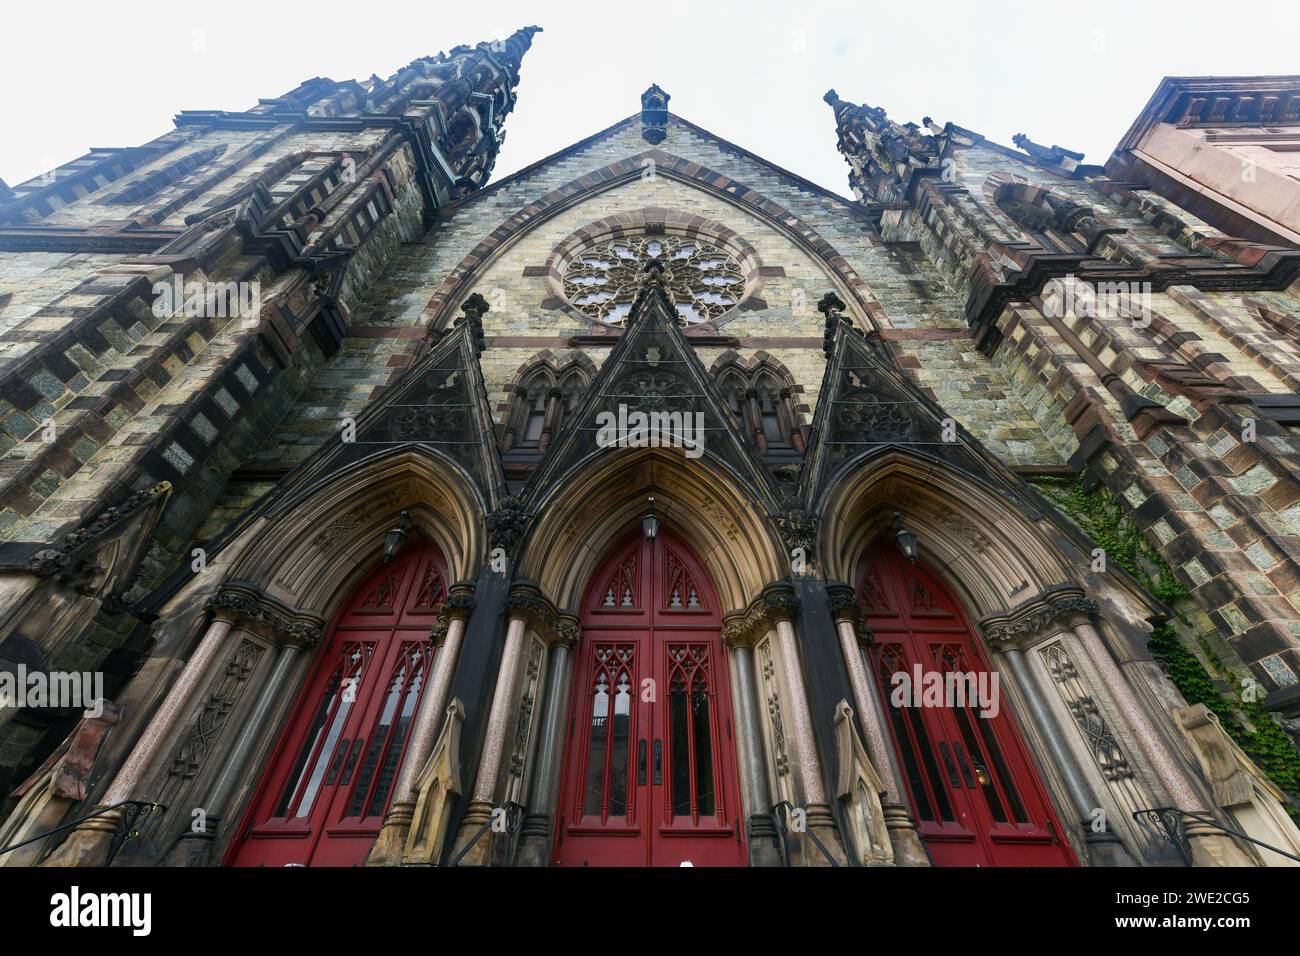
323, 795
649, 774
976, 795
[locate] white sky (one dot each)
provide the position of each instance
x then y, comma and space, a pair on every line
77, 74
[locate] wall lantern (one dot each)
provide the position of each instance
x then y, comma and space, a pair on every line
906, 539
395, 538
650, 524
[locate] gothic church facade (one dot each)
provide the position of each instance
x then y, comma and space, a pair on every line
370, 578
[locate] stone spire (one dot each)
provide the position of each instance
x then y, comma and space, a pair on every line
885, 156
454, 103
881, 153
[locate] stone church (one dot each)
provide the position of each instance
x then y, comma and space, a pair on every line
653, 505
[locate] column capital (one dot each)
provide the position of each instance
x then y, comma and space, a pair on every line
458, 606
244, 605
527, 602
775, 602
780, 601
845, 608
1055, 609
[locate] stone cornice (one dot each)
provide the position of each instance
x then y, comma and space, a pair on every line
243, 604
1274, 268
1040, 616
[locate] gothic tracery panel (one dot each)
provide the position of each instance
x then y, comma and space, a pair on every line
703, 280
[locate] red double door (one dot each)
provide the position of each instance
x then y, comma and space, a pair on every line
322, 799
977, 798
649, 774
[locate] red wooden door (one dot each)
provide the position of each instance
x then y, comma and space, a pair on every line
323, 796
649, 773
977, 798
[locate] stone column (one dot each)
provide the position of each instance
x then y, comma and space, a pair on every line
87, 845
479, 811
764, 841
903, 835
1106, 848
782, 604
194, 847
1209, 847
447, 636
535, 835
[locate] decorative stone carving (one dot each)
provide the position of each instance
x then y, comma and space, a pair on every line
859, 787
976, 538
352, 519
89, 562
459, 604
798, 526
1040, 616
654, 115
776, 722
845, 607
438, 785
1053, 156
780, 601
475, 307
506, 524
832, 307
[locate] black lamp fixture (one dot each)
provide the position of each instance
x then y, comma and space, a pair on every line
906, 539
396, 537
650, 523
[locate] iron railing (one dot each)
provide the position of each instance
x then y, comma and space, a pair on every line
133, 812
514, 820
779, 811
1169, 824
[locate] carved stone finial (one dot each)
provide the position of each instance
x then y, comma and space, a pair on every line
475, 307
831, 306
654, 114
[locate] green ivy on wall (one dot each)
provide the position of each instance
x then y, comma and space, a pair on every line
1101, 515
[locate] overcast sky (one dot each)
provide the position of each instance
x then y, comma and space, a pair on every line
76, 75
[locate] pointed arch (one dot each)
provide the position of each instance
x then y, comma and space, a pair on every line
761, 393
1040, 213
542, 394
605, 496
460, 281
310, 552
987, 547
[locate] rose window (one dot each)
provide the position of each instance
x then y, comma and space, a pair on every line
703, 280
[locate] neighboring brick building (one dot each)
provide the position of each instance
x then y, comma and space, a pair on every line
317, 448
1224, 148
